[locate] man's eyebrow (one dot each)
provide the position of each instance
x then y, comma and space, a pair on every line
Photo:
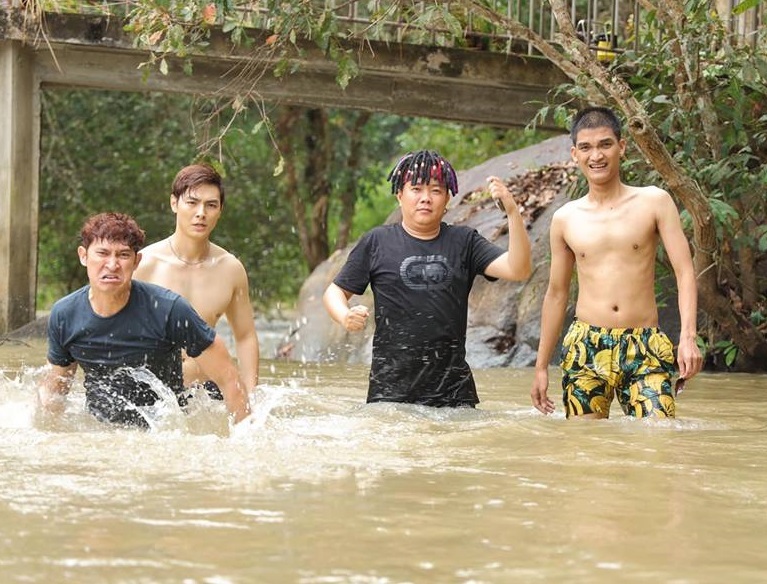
602, 141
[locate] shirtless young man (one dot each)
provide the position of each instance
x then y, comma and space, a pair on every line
610, 235
213, 280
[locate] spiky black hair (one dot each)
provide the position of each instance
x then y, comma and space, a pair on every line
421, 167
595, 117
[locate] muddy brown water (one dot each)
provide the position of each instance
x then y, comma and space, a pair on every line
321, 488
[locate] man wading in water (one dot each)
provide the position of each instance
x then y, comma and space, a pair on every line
209, 277
128, 335
610, 235
421, 272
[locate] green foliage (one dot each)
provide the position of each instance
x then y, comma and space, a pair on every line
728, 351
374, 202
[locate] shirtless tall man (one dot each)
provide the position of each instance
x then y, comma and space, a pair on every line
614, 346
212, 279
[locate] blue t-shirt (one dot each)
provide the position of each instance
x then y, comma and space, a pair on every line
421, 294
149, 332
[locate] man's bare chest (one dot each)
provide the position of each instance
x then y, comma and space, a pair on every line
608, 233
209, 291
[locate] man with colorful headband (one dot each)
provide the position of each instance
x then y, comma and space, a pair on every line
421, 271
614, 347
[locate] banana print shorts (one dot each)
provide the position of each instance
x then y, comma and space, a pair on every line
636, 364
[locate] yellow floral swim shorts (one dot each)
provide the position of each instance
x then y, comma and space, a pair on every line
636, 364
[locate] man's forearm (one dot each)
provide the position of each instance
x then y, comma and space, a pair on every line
234, 391
248, 360
53, 391
552, 320
336, 303
236, 400
519, 246
688, 307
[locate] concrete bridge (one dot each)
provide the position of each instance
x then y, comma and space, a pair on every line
74, 50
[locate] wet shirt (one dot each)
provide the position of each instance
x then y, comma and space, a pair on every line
147, 334
421, 293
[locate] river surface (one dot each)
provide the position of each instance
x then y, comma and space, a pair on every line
320, 488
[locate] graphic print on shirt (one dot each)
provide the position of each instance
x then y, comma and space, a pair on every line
431, 272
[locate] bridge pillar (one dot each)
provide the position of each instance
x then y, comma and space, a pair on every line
19, 171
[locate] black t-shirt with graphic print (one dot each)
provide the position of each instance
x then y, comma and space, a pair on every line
421, 290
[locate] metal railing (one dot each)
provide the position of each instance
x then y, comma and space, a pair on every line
600, 21
607, 25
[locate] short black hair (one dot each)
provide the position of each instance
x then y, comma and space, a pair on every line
595, 117
421, 167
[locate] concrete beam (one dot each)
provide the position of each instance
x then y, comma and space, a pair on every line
452, 84
19, 171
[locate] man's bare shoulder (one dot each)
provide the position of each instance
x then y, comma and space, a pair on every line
225, 259
650, 200
152, 257
220, 254
156, 249
566, 210
649, 191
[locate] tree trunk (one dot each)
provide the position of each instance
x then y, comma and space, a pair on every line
286, 129
749, 286
317, 178
348, 195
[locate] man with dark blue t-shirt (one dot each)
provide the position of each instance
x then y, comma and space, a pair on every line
128, 335
421, 272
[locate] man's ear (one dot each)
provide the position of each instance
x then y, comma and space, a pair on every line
174, 203
138, 259
82, 253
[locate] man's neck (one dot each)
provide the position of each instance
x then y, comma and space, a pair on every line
426, 234
105, 304
189, 251
605, 193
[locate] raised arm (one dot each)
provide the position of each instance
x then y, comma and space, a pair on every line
515, 263
239, 314
56, 384
677, 247
336, 301
552, 314
217, 365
